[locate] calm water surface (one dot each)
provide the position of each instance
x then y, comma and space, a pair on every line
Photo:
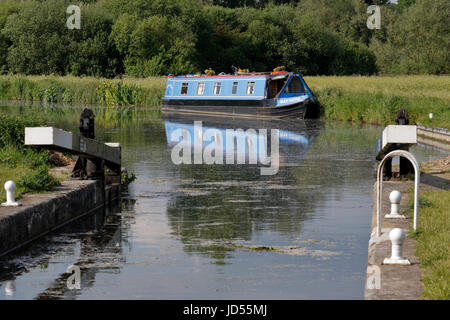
193, 231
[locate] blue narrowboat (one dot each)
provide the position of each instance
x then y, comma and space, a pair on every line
279, 94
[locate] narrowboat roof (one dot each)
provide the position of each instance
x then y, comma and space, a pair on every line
266, 75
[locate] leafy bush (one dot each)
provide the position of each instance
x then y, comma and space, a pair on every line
53, 93
13, 157
41, 43
27, 166
38, 180
67, 95
7, 8
117, 94
12, 130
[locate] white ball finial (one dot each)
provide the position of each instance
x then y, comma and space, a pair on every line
395, 197
10, 187
397, 235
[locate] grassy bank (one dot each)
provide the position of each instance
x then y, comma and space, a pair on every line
26, 166
359, 99
377, 99
83, 90
433, 237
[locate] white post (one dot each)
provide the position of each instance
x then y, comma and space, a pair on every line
395, 197
10, 186
397, 236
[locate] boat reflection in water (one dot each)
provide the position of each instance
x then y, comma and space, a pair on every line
209, 140
227, 204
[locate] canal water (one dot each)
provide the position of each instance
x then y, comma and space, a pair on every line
199, 231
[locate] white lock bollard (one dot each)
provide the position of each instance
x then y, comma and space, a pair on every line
395, 198
10, 186
397, 236
430, 116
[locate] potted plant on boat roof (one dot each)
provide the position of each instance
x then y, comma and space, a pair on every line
210, 72
280, 69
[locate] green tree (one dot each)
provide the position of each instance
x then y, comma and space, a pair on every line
42, 43
7, 8
417, 42
155, 45
39, 36
143, 38
92, 50
346, 17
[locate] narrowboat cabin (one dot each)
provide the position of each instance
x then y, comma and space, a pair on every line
252, 95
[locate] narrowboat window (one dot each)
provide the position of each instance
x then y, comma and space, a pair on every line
234, 89
250, 87
217, 87
184, 88
295, 86
200, 88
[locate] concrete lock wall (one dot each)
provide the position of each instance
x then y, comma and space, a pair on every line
43, 213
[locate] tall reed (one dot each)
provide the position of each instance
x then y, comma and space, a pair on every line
377, 99
83, 90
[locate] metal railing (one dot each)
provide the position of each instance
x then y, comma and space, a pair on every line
412, 159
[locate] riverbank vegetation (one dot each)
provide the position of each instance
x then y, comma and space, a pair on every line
433, 237
26, 166
83, 90
144, 38
124, 47
376, 100
362, 99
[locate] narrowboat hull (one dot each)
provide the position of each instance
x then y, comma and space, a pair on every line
260, 109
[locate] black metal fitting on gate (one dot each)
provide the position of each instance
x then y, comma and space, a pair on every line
402, 118
88, 168
87, 123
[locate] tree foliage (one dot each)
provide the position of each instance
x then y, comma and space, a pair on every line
146, 38
6, 9
42, 43
416, 41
